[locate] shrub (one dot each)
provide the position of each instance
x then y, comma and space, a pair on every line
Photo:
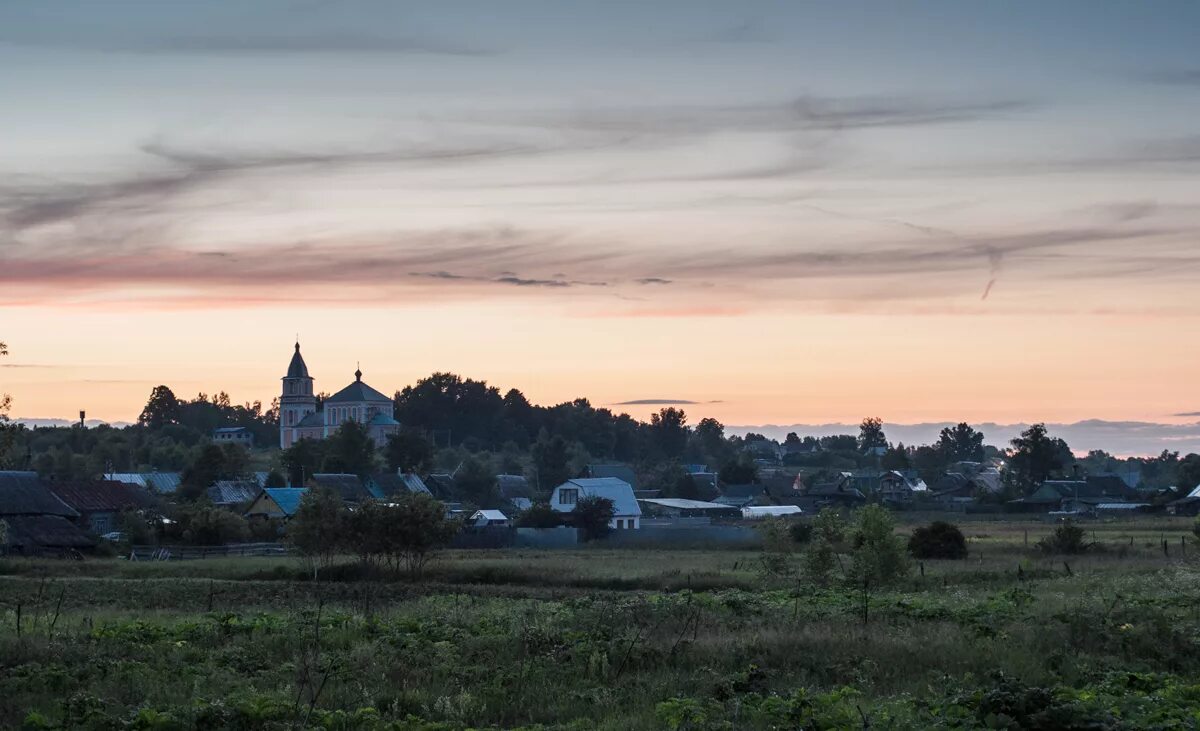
800, 531
540, 515
939, 539
819, 561
830, 526
593, 517
207, 526
879, 556
1067, 538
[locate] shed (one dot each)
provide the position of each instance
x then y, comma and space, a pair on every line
488, 518
684, 508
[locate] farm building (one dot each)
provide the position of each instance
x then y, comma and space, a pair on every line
683, 508
100, 502
276, 502
33, 520
627, 515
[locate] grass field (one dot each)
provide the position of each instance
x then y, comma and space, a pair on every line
615, 639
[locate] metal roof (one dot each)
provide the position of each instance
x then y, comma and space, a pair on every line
22, 493
618, 491
1120, 506
101, 496
684, 503
489, 515
770, 510
287, 498
357, 392
232, 492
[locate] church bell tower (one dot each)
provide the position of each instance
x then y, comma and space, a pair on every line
297, 400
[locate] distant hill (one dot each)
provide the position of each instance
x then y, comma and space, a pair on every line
1120, 438
32, 422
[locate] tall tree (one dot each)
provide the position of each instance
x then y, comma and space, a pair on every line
551, 461
163, 408
709, 435
350, 449
1189, 474
1036, 456
961, 443
895, 458
302, 459
8, 433
409, 450
205, 469
870, 433
670, 432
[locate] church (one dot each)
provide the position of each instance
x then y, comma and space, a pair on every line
299, 417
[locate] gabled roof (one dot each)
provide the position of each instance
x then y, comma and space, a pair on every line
489, 515
441, 485
391, 484
160, 482
287, 498
44, 531
101, 496
232, 492
349, 487
357, 391
511, 486
22, 493
618, 491
748, 491
297, 368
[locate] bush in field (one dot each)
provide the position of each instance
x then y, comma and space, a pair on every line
593, 517
540, 515
939, 539
415, 528
830, 526
801, 531
1067, 538
879, 556
777, 547
820, 560
206, 526
317, 527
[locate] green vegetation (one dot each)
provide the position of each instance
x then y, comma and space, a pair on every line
618, 639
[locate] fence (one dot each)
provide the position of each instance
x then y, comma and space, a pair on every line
187, 553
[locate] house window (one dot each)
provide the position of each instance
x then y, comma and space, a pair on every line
568, 496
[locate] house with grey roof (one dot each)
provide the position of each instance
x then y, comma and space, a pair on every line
392, 484
627, 514
228, 493
348, 487
238, 435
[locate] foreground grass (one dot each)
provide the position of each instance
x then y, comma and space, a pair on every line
628, 639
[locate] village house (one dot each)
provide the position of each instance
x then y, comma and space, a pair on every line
279, 503
33, 520
393, 484
159, 483
358, 402
100, 503
238, 435
627, 515
349, 488
228, 493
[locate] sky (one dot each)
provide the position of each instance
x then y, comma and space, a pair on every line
772, 212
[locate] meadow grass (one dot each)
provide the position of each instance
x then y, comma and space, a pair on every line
613, 639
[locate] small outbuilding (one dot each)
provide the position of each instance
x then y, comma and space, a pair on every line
276, 502
488, 519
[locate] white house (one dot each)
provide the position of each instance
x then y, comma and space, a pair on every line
627, 515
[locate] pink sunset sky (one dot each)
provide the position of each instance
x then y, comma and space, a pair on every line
777, 211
